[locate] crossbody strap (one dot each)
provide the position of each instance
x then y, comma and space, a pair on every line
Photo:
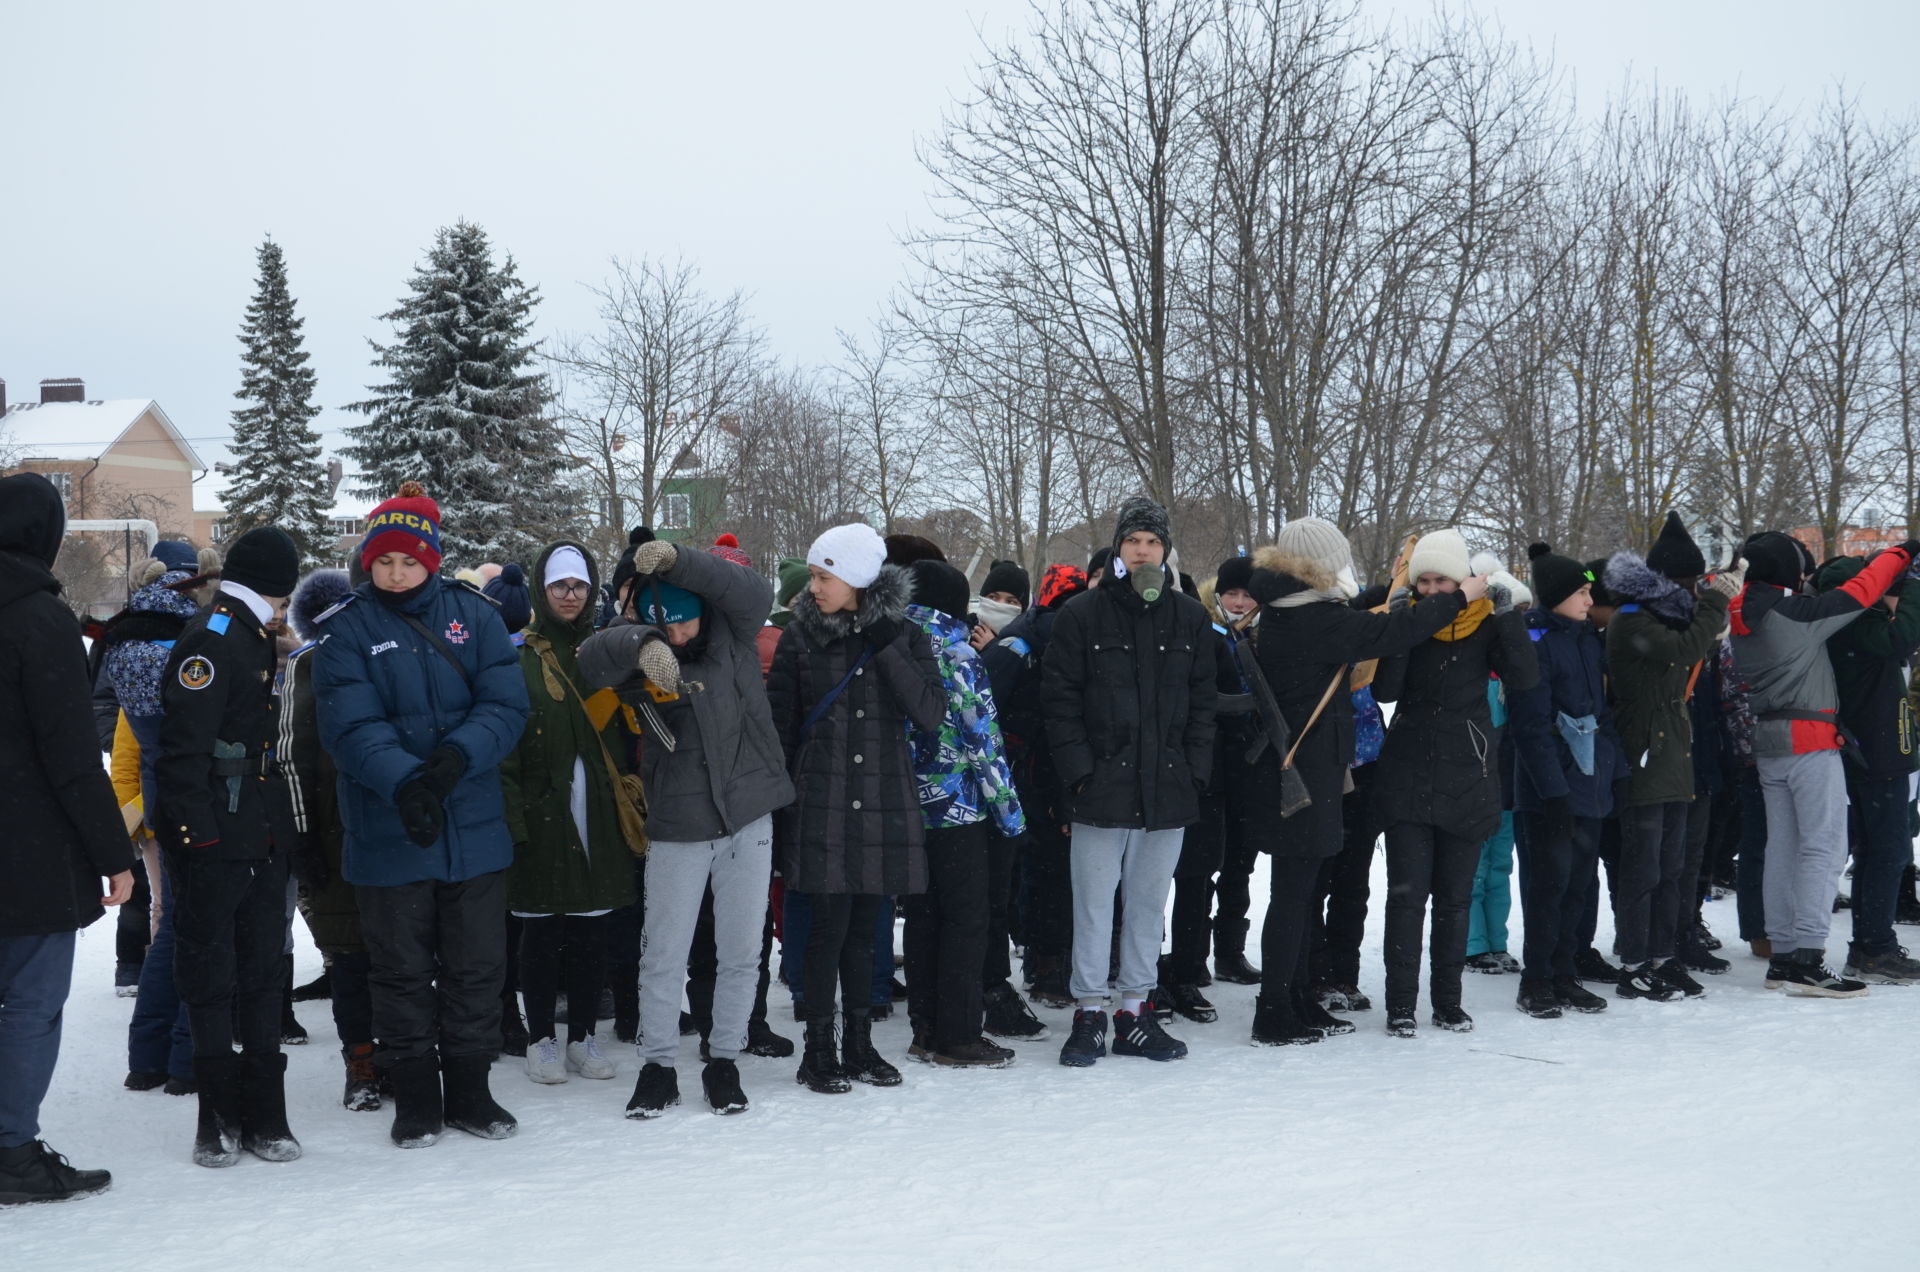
439, 646
826, 700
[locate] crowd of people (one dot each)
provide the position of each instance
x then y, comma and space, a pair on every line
533, 797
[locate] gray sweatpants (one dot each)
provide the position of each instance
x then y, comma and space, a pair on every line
739, 866
1139, 863
1806, 799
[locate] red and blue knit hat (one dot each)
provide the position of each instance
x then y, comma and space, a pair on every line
408, 523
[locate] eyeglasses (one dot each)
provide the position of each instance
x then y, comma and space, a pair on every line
568, 589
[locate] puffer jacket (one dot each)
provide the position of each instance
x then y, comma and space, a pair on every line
962, 765
1779, 647
386, 698
63, 827
1572, 658
1128, 692
1653, 644
855, 824
726, 769
1440, 764
555, 869
139, 641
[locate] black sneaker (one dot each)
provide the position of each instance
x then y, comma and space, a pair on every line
1779, 969
138, 1081
1346, 990
763, 1041
977, 1054
1319, 1019
318, 989
1591, 965
721, 1081
1488, 963
1275, 1024
1008, 1016
1452, 1019
33, 1172
1141, 1035
1234, 969
1538, 999
1672, 973
1890, 968
1641, 982
1703, 937
656, 1090
1401, 1023
1813, 980
1188, 1001
181, 1086
1088, 1041
1696, 957
1577, 997
1049, 984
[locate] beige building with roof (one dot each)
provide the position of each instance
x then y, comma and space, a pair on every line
111, 459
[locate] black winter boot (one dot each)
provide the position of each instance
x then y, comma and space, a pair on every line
292, 1032
1452, 1019
362, 1093
418, 1116
1576, 997
1538, 999
34, 1172
763, 1041
1008, 1016
263, 1109
863, 1063
1276, 1024
1308, 1011
1591, 965
470, 1106
820, 1063
1050, 988
318, 989
1230, 954
216, 1140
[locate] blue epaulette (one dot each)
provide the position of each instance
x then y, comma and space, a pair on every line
1018, 645
337, 606
1535, 633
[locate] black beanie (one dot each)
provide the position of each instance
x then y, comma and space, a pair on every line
1674, 554
265, 560
1776, 558
939, 586
510, 592
1142, 513
1007, 576
1597, 571
1554, 577
905, 549
1235, 573
1099, 561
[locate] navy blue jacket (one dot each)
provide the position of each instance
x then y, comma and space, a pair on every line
386, 698
1573, 679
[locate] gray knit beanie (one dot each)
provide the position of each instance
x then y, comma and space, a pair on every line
1321, 543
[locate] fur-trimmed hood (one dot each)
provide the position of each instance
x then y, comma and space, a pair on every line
886, 597
319, 592
1633, 580
1278, 574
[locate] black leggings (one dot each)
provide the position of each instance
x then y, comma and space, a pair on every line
1285, 934
839, 943
585, 943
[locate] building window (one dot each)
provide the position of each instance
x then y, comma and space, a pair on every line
62, 482
677, 513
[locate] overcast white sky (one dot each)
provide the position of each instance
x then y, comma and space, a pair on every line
148, 148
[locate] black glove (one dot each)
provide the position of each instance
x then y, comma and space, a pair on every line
445, 767
1912, 548
420, 813
881, 632
1556, 817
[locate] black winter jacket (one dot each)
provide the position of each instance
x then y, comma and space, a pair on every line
1300, 649
855, 824
1128, 693
1870, 657
63, 827
1440, 764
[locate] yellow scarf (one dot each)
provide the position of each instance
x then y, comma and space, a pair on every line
1469, 621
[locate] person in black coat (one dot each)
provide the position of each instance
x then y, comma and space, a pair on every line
226, 824
1307, 642
1560, 797
1438, 789
64, 832
1128, 693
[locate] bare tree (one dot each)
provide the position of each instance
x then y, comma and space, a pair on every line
881, 405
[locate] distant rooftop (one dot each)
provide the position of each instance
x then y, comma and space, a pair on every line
81, 430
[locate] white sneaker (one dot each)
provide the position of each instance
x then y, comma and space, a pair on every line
544, 1063
584, 1058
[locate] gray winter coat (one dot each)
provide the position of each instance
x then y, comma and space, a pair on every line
726, 769
855, 825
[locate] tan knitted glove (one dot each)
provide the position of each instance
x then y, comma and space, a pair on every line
1729, 582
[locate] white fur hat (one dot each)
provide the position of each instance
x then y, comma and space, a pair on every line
851, 553
1441, 552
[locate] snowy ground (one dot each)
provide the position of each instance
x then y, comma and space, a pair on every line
1743, 1130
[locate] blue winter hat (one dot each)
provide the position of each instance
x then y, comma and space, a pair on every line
176, 555
658, 601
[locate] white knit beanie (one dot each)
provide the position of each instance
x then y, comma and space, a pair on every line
851, 553
1321, 543
1441, 552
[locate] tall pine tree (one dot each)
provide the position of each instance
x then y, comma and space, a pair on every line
462, 409
278, 476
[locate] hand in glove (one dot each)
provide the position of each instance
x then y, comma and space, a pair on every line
881, 632
1502, 597
658, 664
445, 767
654, 558
1729, 582
1400, 599
420, 813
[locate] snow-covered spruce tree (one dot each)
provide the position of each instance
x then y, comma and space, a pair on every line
278, 476
462, 411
